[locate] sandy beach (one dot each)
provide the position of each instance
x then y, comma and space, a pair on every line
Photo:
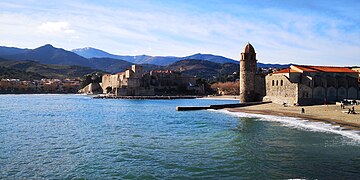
225, 97
326, 113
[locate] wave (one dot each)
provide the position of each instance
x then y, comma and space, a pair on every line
299, 123
225, 99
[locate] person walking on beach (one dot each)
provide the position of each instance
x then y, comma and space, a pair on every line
342, 105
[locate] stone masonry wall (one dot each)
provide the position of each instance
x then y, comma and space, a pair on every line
280, 90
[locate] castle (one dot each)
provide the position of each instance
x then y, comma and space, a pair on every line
134, 82
298, 84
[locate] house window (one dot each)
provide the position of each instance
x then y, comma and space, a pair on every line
281, 83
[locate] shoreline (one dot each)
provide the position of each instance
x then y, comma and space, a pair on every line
330, 114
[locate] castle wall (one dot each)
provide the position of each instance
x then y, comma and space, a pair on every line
92, 88
162, 82
133, 83
106, 82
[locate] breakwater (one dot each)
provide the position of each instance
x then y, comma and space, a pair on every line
146, 97
218, 106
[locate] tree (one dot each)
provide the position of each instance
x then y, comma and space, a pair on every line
91, 78
227, 88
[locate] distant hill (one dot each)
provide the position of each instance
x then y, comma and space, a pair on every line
109, 65
36, 70
48, 54
203, 68
89, 52
278, 66
7, 51
211, 58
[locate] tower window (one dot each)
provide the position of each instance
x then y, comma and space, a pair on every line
277, 82
273, 82
281, 83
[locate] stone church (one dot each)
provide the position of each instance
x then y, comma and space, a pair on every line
298, 84
252, 85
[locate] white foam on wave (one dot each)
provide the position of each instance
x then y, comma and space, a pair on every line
298, 123
221, 99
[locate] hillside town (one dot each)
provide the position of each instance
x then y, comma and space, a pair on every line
15, 86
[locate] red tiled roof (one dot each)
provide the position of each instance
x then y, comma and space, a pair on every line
324, 69
304, 68
287, 70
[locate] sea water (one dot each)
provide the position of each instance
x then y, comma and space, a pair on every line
73, 136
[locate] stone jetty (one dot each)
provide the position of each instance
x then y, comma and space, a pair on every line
146, 97
219, 106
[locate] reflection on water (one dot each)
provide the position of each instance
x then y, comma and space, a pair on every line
70, 136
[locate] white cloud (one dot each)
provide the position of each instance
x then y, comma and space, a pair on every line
279, 35
56, 27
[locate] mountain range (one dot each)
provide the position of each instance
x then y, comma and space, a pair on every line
201, 65
89, 52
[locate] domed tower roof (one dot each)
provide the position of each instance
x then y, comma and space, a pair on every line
249, 48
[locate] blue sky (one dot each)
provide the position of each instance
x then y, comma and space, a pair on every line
284, 31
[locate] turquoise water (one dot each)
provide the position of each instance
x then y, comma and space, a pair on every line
73, 136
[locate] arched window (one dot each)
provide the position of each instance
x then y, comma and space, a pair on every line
273, 82
277, 82
281, 83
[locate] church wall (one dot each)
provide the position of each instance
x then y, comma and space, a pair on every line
331, 94
294, 77
342, 93
247, 80
260, 87
280, 90
352, 93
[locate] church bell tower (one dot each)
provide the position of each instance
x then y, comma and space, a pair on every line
248, 69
